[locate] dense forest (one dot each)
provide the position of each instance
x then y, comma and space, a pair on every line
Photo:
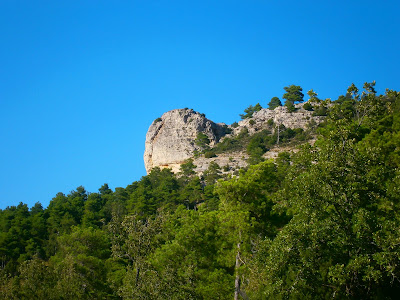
319, 223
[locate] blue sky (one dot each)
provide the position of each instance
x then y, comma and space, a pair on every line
81, 81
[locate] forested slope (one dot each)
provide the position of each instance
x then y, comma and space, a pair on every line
320, 223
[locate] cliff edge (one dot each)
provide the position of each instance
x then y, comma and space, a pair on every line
170, 139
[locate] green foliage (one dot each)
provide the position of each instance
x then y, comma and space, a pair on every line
230, 144
259, 143
313, 97
320, 110
227, 130
192, 193
250, 111
340, 241
275, 102
195, 250
256, 148
158, 189
290, 106
187, 168
227, 145
308, 106
209, 154
133, 240
244, 133
157, 120
80, 264
202, 141
213, 173
293, 94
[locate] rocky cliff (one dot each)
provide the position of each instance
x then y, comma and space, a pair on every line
170, 139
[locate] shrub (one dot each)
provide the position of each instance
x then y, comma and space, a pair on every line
308, 106
243, 133
290, 106
227, 130
250, 111
228, 144
202, 140
209, 154
320, 111
275, 102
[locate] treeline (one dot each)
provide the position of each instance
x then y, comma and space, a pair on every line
321, 223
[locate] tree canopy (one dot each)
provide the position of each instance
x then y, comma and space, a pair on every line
250, 111
275, 102
293, 94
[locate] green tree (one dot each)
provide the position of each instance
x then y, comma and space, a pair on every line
192, 193
293, 94
187, 168
37, 280
92, 214
275, 102
308, 106
250, 111
202, 141
212, 174
80, 264
290, 106
313, 96
105, 190
193, 255
256, 148
246, 211
134, 240
340, 241
157, 190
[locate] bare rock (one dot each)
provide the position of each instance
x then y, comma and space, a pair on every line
231, 161
280, 115
170, 139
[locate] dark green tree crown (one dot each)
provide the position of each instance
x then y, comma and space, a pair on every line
275, 102
293, 93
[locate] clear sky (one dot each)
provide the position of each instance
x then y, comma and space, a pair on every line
81, 81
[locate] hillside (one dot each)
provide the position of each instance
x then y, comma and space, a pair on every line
321, 222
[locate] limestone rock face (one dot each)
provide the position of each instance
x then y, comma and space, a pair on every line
170, 139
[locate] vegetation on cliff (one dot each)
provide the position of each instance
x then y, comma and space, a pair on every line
319, 223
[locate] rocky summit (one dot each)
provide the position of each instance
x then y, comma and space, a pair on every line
170, 139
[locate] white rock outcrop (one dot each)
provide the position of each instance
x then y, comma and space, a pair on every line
170, 139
